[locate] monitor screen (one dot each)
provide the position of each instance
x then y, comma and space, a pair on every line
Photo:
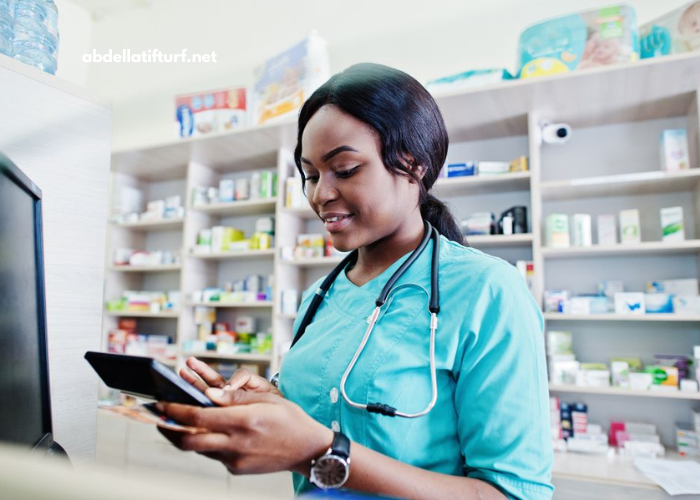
25, 413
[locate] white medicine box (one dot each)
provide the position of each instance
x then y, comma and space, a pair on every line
674, 150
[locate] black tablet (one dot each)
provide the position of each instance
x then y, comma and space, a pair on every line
145, 378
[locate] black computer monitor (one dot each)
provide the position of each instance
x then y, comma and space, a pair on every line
25, 408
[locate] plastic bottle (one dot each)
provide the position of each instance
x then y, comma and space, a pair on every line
6, 22
36, 34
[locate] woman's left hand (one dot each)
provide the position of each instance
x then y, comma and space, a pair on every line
250, 432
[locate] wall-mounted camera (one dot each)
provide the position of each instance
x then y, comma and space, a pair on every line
555, 133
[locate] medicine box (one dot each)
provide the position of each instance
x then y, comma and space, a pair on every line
674, 150
672, 224
607, 230
674, 287
658, 303
468, 79
581, 230
208, 112
629, 303
285, 81
686, 304
463, 169
557, 231
630, 231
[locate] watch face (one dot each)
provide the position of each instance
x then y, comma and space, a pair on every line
329, 471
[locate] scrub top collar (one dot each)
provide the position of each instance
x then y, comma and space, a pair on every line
347, 295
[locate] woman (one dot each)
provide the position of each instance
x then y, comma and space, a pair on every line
371, 143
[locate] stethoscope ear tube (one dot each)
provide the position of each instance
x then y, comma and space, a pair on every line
320, 293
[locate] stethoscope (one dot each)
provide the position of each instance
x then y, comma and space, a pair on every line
434, 308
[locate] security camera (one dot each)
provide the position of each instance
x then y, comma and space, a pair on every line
556, 133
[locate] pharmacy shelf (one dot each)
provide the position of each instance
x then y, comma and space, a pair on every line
314, 262
286, 315
234, 305
500, 240
301, 212
482, 184
248, 207
245, 148
154, 225
663, 318
135, 314
644, 248
640, 183
248, 254
259, 358
608, 94
617, 391
146, 269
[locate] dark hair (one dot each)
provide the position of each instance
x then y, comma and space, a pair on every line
406, 118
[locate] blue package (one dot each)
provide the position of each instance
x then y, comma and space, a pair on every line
461, 169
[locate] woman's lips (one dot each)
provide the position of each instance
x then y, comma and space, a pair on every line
333, 225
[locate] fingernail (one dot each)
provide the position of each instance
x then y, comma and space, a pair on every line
160, 406
228, 387
215, 393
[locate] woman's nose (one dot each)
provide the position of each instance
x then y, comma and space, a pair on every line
324, 191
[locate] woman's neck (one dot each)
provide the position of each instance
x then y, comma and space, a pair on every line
377, 257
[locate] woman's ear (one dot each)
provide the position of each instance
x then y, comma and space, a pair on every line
410, 163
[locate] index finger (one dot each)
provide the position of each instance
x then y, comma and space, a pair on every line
209, 375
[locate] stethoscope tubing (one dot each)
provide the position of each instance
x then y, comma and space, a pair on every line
434, 308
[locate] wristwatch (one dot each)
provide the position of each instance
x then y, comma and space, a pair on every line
332, 469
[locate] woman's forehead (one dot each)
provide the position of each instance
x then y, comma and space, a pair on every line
330, 128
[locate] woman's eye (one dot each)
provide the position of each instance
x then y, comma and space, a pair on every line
312, 179
346, 173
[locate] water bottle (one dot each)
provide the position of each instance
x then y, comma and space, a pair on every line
36, 34
6, 15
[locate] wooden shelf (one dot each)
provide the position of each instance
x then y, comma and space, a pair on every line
247, 207
482, 184
248, 254
301, 212
500, 240
155, 225
264, 358
233, 305
617, 391
287, 316
135, 314
314, 262
662, 317
640, 183
241, 149
644, 248
146, 269
608, 94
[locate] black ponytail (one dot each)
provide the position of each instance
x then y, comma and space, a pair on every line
440, 217
407, 120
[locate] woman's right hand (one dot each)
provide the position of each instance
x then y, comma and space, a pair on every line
205, 377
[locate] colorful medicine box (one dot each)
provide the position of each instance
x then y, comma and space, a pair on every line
672, 224
673, 149
209, 112
461, 169
557, 231
629, 303
630, 229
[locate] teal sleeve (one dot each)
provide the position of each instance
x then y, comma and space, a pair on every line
501, 393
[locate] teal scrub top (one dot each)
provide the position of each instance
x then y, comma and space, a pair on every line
491, 419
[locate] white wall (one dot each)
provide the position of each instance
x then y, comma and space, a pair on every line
425, 38
75, 28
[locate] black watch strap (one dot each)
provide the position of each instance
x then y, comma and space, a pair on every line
340, 445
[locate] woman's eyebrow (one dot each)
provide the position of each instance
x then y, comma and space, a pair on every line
331, 154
